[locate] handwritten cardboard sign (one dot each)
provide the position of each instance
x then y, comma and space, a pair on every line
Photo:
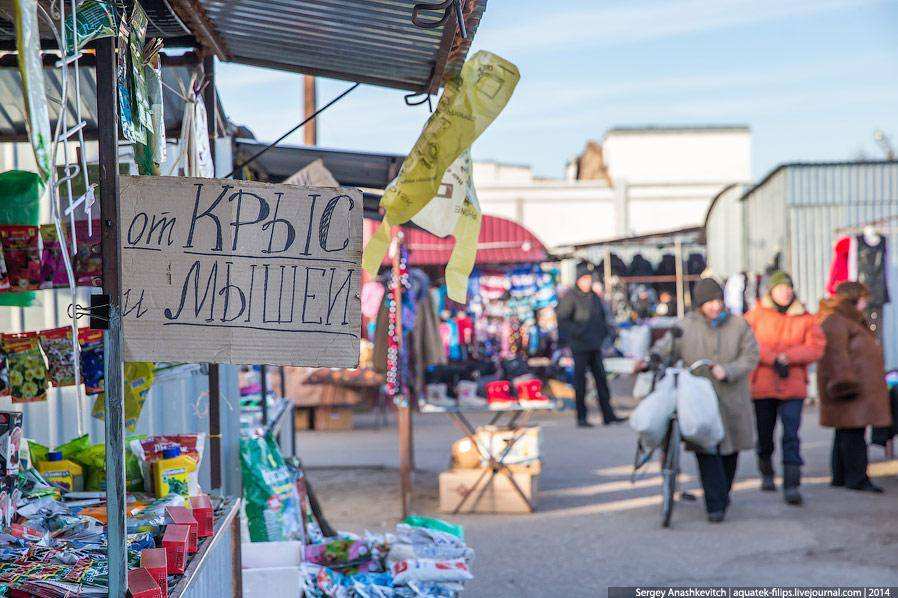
226, 271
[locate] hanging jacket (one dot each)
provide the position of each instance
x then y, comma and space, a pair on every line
872, 264
841, 267
795, 333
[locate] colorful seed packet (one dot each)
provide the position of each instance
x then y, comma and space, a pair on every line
20, 252
57, 346
27, 369
92, 360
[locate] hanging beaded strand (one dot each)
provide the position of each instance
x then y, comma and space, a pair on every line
394, 379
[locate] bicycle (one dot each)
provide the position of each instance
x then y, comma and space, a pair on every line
670, 446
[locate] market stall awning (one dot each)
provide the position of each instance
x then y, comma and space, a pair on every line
369, 41
501, 242
357, 40
176, 74
352, 169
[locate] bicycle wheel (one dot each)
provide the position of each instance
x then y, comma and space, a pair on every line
670, 468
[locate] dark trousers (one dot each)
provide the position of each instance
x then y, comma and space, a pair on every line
717, 473
591, 360
849, 458
789, 412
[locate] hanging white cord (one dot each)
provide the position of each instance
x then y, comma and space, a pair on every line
62, 135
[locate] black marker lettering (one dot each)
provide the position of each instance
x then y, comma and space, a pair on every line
324, 227
306, 296
207, 213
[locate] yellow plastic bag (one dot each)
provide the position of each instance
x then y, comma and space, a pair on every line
139, 377
469, 104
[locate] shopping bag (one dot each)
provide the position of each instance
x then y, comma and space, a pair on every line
699, 412
643, 385
652, 414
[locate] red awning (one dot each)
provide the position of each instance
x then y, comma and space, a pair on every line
500, 242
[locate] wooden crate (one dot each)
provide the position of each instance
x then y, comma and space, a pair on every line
302, 418
333, 419
498, 497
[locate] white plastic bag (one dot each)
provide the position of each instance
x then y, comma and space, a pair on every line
651, 416
635, 342
643, 385
698, 412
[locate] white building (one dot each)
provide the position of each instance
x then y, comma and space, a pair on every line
638, 180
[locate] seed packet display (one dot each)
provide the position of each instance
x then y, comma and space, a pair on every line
27, 370
92, 358
57, 346
53, 274
20, 252
88, 260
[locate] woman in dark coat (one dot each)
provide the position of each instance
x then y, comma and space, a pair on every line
850, 378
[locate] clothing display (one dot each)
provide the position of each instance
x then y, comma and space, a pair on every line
872, 265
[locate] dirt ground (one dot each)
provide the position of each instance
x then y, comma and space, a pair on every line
595, 529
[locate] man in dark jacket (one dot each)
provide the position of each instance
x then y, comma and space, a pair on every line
582, 324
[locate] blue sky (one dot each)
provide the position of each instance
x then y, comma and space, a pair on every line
812, 78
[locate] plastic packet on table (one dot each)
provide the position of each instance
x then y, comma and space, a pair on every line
372, 585
321, 582
44, 505
407, 552
339, 554
430, 570
407, 534
436, 524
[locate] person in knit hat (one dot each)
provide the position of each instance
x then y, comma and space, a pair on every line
583, 326
790, 340
710, 332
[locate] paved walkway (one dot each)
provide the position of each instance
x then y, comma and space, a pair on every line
595, 529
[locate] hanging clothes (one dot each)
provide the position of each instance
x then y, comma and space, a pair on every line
872, 264
844, 263
639, 266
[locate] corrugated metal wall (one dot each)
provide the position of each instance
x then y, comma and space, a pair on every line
800, 209
725, 234
766, 225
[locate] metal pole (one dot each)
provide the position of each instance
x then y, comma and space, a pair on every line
681, 299
214, 369
107, 123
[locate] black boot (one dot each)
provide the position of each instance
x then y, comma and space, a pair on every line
791, 482
765, 466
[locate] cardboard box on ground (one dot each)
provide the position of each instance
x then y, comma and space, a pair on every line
485, 496
494, 441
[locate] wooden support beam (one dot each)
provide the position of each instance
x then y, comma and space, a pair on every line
114, 419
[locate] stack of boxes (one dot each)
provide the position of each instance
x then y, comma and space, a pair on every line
467, 483
181, 538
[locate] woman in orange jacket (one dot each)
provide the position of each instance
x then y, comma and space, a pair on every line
790, 340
